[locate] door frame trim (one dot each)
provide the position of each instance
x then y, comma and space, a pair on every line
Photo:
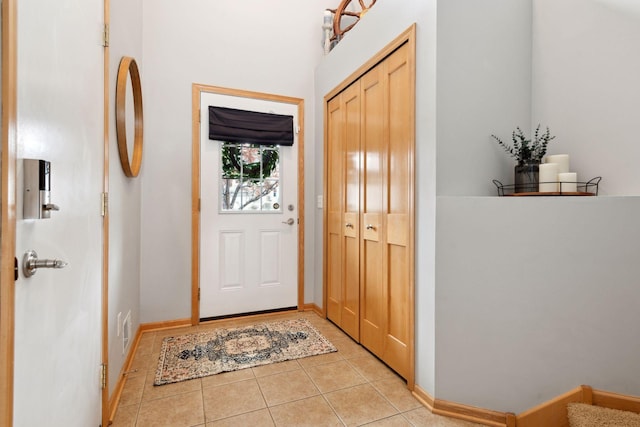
107, 409
8, 233
196, 90
406, 37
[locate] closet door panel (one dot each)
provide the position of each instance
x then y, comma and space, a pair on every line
397, 229
351, 223
335, 184
351, 202
371, 222
399, 187
372, 287
400, 131
373, 298
334, 269
400, 141
397, 338
373, 145
351, 306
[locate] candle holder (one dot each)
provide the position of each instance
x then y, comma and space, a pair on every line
526, 177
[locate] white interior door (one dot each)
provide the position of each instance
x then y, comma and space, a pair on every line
248, 226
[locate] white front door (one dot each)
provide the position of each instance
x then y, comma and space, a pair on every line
248, 221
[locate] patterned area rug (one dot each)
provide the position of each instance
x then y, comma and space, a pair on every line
198, 355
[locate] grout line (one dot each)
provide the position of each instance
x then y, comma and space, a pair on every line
386, 418
273, 420
264, 399
383, 396
294, 400
307, 367
204, 410
333, 409
276, 373
238, 415
140, 402
253, 377
341, 388
179, 393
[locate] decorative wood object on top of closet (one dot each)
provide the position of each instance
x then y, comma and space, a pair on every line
369, 244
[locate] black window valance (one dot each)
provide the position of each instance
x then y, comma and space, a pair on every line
231, 125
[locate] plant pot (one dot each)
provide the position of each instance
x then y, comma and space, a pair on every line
526, 177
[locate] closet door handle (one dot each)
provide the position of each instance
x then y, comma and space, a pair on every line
370, 227
348, 225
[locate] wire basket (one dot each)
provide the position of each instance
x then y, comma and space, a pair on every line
588, 188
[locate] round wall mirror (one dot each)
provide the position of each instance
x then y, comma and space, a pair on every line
128, 72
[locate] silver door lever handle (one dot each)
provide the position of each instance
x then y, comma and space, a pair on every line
31, 263
290, 221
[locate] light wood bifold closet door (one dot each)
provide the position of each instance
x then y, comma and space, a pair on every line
369, 202
344, 211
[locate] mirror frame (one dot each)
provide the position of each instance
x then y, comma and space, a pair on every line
129, 67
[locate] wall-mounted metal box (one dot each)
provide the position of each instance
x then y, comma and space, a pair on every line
37, 189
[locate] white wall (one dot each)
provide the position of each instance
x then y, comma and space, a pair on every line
60, 119
536, 296
483, 87
543, 302
124, 193
273, 48
585, 72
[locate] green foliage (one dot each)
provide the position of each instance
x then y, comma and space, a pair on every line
525, 150
234, 168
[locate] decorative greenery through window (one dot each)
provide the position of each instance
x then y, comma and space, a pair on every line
250, 177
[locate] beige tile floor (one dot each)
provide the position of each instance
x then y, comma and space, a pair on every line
347, 388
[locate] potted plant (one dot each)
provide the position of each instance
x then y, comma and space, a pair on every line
529, 154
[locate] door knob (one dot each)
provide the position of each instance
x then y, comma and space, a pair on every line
290, 221
371, 227
30, 263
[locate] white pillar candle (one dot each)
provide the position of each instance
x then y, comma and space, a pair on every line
562, 160
548, 177
568, 182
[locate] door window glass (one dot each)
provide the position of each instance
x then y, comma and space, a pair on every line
250, 179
